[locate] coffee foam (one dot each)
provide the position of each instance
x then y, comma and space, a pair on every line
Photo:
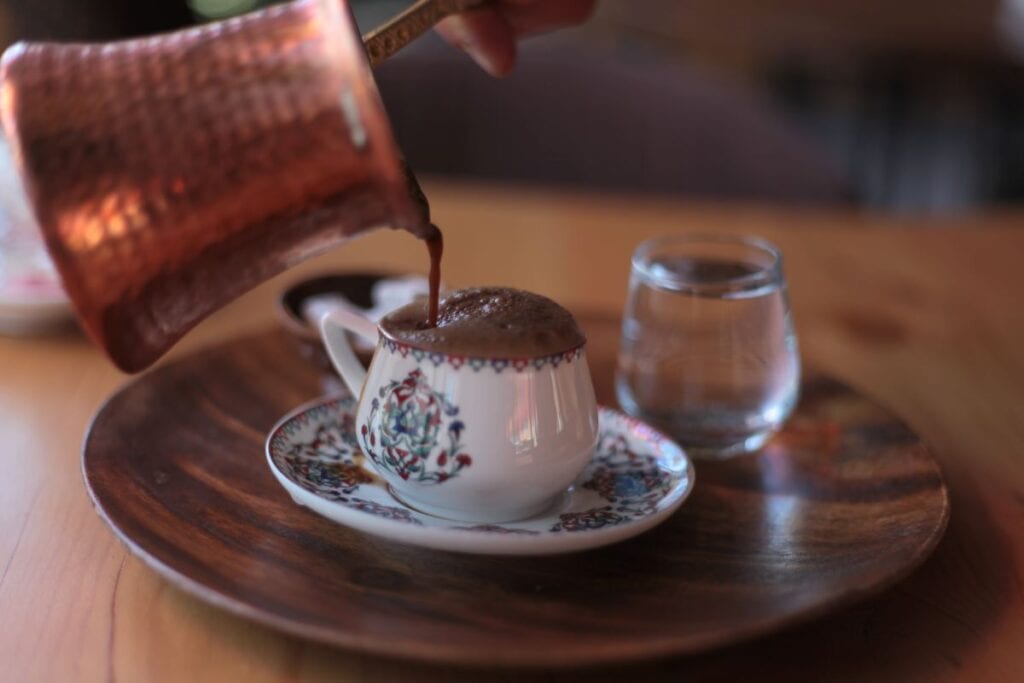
488, 322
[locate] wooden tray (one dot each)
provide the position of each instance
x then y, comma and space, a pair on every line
843, 503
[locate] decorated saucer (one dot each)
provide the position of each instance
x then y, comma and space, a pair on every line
636, 479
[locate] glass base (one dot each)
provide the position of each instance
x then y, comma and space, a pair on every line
724, 449
698, 435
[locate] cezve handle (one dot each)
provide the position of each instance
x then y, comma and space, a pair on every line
391, 37
334, 327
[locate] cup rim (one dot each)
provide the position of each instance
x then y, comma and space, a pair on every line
432, 353
763, 275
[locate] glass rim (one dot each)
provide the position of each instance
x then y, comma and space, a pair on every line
764, 274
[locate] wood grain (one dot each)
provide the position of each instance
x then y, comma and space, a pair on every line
844, 501
921, 314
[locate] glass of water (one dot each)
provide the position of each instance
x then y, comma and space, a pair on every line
708, 350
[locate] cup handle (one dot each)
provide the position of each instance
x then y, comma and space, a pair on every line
334, 327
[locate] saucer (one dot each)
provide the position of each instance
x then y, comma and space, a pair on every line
636, 479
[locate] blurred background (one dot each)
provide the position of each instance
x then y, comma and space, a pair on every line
908, 106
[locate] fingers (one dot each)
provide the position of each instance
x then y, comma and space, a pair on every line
488, 34
484, 35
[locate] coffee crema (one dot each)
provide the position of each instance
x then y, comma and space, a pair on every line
487, 322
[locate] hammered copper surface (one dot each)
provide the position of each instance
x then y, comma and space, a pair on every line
843, 502
171, 174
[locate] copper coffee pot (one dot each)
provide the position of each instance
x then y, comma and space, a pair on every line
171, 174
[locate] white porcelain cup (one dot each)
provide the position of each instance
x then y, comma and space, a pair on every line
478, 439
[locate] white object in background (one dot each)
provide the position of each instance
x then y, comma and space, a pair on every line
395, 292
387, 295
32, 300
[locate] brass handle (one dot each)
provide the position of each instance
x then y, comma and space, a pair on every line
389, 38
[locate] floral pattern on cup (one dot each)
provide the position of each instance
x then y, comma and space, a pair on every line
498, 365
404, 431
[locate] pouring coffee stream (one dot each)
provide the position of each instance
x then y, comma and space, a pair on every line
171, 174
434, 240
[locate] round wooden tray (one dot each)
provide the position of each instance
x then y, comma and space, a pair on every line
845, 501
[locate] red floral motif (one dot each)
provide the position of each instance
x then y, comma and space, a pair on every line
385, 511
324, 462
589, 519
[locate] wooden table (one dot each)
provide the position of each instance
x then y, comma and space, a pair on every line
924, 315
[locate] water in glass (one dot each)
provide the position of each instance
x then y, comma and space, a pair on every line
708, 350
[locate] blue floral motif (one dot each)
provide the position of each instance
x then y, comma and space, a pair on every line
631, 482
404, 431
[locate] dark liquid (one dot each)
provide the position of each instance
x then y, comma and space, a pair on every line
435, 247
430, 234
487, 322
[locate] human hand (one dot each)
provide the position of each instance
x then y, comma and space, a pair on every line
489, 33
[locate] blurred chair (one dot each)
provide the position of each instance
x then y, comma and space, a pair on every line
574, 115
569, 115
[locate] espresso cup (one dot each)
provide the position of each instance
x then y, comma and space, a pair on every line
469, 438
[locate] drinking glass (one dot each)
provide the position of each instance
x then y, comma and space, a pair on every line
708, 350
